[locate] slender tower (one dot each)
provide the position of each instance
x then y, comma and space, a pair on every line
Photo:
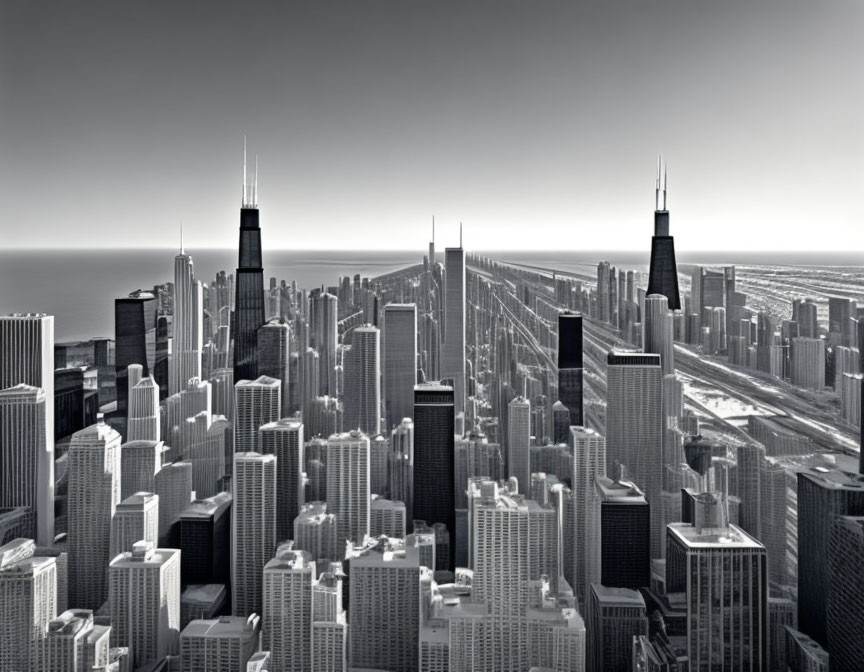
663, 277
249, 300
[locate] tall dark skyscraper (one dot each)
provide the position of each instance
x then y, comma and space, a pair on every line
663, 276
249, 300
570, 364
434, 458
625, 535
134, 338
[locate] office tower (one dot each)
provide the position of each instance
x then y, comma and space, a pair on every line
615, 617
570, 364
657, 331
453, 352
726, 629
227, 644
434, 457
163, 352
287, 616
76, 402
634, 427
808, 324
846, 360
74, 643
256, 402
144, 599
139, 462
804, 654
205, 448
274, 340
143, 424
174, 486
188, 334
589, 462
309, 365
205, 541
253, 533
134, 341
823, 495
249, 299
23, 446
284, 439
386, 518
604, 292
325, 337
845, 618
94, 492
807, 362
840, 310
135, 519
316, 531
625, 535
362, 401
519, 442
28, 589
379, 455
222, 399
27, 357
400, 361
663, 273
850, 398
384, 605
348, 494
781, 613
400, 480
560, 423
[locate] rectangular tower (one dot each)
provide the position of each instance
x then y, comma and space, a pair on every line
400, 361
453, 354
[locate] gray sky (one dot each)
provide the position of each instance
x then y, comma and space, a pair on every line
535, 123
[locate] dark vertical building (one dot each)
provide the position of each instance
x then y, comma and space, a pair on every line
663, 274
75, 406
845, 622
823, 495
434, 458
625, 535
570, 364
249, 313
205, 542
135, 342
160, 365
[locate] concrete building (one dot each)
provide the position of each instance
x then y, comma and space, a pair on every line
135, 519
399, 362
625, 535
226, 643
143, 421
807, 361
657, 336
453, 347
274, 340
400, 475
570, 364
316, 532
589, 463
348, 493
615, 617
519, 442
256, 402
287, 617
188, 333
387, 518
75, 643
284, 439
362, 400
139, 463
845, 618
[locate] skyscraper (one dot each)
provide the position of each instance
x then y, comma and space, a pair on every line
139, 462
362, 401
453, 352
634, 427
274, 339
75, 642
205, 541
845, 617
589, 463
225, 643
256, 402
400, 361
348, 494
135, 519
249, 299
625, 535
134, 341
663, 273
570, 364
144, 411
144, 599
94, 492
615, 617
27, 357
253, 521
657, 330
519, 442
287, 616
188, 335
284, 439
434, 458
400, 481
326, 335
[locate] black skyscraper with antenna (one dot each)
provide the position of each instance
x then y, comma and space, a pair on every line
663, 277
249, 297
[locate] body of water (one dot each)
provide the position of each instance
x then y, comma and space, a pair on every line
78, 287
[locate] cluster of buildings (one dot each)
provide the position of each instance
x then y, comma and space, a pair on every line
418, 472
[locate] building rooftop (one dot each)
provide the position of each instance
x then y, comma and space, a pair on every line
204, 508
23, 390
206, 593
834, 479
283, 424
224, 626
138, 499
618, 596
432, 386
260, 381
144, 554
71, 621
730, 537
619, 492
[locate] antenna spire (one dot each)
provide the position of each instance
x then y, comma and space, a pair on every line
460, 235
181, 237
244, 170
433, 229
255, 187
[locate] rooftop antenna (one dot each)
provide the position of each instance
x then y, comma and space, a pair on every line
433, 229
181, 236
460, 235
664, 186
255, 187
244, 170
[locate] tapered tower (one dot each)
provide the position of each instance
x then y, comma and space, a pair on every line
663, 277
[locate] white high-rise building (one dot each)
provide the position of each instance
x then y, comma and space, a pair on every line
807, 363
330, 645
27, 357
657, 331
325, 333
274, 340
519, 442
256, 402
144, 423
316, 531
362, 401
386, 518
400, 481
384, 605
94, 493
174, 486
139, 462
287, 617
145, 602
136, 519
379, 457
453, 350
589, 462
310, 369
348, 491
634, 428
74, 643
28, 594
204, 447
400, 361
222, 382
23, 445
253, 528
227, 644
284, 439
187, 338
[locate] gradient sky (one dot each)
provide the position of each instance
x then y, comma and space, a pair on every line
535, 123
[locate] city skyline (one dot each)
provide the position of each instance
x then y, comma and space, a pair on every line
503, 117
